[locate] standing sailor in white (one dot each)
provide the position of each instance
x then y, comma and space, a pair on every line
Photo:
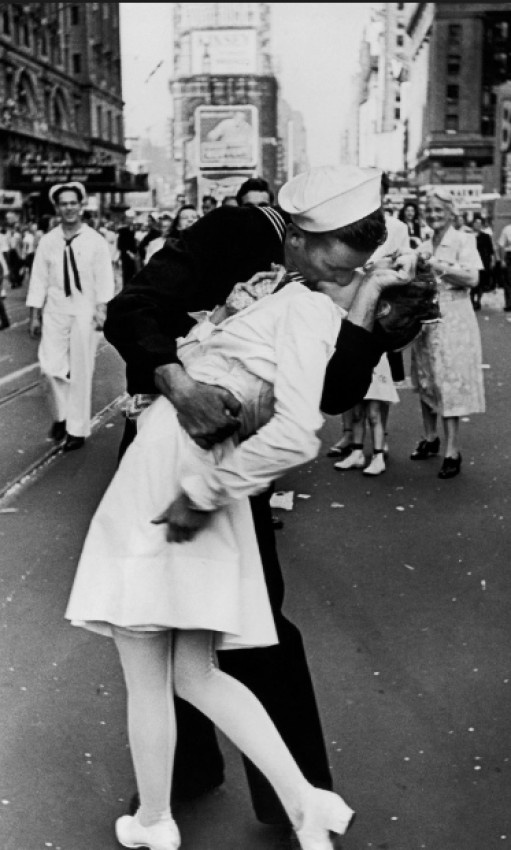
71, 283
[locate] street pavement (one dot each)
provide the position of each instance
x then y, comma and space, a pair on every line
401, 586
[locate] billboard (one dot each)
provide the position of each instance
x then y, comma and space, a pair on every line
223, 51
227, 137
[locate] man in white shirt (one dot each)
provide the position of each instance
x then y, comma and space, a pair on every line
70, 285
505, 259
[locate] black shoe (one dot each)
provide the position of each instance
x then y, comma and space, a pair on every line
425, 449
73, 443
450, 467
277, 522
338, 452
58, 431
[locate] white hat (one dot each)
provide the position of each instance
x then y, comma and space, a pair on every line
74, 186
331, 196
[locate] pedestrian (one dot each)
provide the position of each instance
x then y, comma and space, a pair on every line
14, 255
165, 225
504, 244
409, 215
127, 247
254, 192
446, 357
4, 274
71, 282
209, 203
221, 249
229, 201
484, 244
153, 231
199, 582
185, 217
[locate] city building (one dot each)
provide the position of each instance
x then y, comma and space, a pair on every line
225, 96
61, 103
381, 84
460, 54
292, 155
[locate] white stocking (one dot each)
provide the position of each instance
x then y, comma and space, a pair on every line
235, 710
147, 666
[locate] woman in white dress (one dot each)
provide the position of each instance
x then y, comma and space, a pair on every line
169, 606
446, 357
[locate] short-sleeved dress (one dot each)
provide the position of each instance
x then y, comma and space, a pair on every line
272, 356
446, 363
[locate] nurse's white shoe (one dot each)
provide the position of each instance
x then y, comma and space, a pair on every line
377, 465
355, 460
163, 835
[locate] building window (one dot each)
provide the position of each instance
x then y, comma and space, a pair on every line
75, 15
109, 126
119, 130
99, 122
452, 123
25, 34
453, 94
454, 35
453, 66
400, 41
6, 22
400, 7
397, 114
77, 63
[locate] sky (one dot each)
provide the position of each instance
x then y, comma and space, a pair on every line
315, 46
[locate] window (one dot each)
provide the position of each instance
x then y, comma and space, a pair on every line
453, 93
44, 43
77, 63
119, 129
400, 41
75, 15
453, 66
109, 126
99, 122
452, 123
25, 34
397, 114
6, 20
454, 35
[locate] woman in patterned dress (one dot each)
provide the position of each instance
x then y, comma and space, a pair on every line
446, 357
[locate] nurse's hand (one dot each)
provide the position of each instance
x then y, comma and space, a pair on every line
209, 414
182, 520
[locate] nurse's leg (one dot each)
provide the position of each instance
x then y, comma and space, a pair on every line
147, 666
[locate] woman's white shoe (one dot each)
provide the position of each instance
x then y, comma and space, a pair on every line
324, 812
163, 835
355, 460
377, 465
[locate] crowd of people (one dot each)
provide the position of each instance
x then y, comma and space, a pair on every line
239, 327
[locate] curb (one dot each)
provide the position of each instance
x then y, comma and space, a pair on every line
13, 487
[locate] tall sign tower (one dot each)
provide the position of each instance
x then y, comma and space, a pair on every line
225, 96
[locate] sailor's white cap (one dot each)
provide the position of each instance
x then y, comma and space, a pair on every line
331, 196
73, 186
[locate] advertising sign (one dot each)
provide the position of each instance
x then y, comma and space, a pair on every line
227, 136
224, 51
32, 176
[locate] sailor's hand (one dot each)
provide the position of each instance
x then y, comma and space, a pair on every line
209, 414
183, 521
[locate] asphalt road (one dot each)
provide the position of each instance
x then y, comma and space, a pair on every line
401, 586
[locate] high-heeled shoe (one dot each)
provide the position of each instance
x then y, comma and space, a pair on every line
426, 449
163, 835
450, 467
324, 812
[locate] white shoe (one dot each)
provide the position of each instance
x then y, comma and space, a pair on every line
163, 835
355, 460
324, 812
377, 465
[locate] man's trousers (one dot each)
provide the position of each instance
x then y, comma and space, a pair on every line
66, 356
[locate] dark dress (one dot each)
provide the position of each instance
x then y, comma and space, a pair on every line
197, 272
